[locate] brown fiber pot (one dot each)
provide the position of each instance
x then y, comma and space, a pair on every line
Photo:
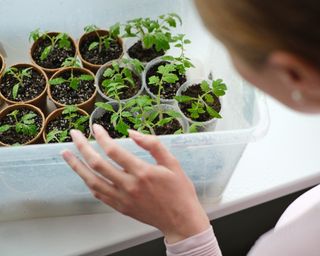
40, 100
87, 105
50, 71
8, 109
94, 67
2, 65
54, 115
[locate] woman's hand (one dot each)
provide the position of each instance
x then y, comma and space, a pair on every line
160, 195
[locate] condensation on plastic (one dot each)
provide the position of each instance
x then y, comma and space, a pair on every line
35, 181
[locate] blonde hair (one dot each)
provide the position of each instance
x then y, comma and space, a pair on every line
254, 28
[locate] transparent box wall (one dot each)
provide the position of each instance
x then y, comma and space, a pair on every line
34, 180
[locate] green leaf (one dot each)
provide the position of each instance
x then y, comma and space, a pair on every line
218, 87
165, 121
154, 80
106, 43
212, 112
26, 72
86, 77
195, 127
90, 28
57, 81
28, 117
183, 98
173, 113
180, 131
126, 114
93, 45
109, 72
205, 86
70, 109
148, 41
5, 127
122, 127
46, 52
114, 30
209, 98
74, 83
64, 41
106, 106
15, 90
161, 42
170, 78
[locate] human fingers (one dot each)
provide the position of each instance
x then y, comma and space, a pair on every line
95, 161
160, 153
124, 158
94, 182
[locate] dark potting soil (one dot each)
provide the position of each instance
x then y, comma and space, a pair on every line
104, 121
128, 92
169, 128
11, 137
62, 124
136, 51
55, 58
1, 64
170, 90
32, 86
97, 57
64, 94
194, 91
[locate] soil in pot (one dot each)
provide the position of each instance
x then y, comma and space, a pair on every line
66, 95
137, 51
95, 56
193, 91
169, 128
130, 89
60, 123
31, 86
170, 90
57, 55
12, 136
104, 121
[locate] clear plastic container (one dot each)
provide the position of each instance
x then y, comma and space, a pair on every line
36, 182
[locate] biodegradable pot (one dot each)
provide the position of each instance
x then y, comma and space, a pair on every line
40, 99
88, 64
204, 125
53, 115
173, 89
99, 78
35, 45
9, 109
2, 64
87, 105
133, 49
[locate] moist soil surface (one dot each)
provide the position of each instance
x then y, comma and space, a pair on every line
32, 86
104, 121
170, 90
64, 94
97, 57
128, 92
62, 124
11, 137
169, 128
136, 51
55, 58
194, 91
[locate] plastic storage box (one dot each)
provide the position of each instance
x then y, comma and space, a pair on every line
34, 180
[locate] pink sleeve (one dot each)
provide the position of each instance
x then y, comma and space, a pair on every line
202, 244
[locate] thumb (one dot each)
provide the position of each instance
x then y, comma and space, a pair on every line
159, 152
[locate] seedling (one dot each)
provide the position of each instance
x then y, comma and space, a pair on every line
153, 33
60, 40
71, 62
119, 115
103, 40
75, 121
119, 76
19, 75
24, 125
73, 81
201, 104
147, 117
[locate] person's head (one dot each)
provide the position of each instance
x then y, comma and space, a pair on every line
273, 44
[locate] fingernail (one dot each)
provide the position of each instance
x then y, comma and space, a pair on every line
74, 132
135, 134
66, 154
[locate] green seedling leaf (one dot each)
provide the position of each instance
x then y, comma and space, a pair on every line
93, 45
90, 28
86, 77
15, 90
212, 112
183, 98
205, 86
106, 106
46, 52
5, 127
70, 109
57, 81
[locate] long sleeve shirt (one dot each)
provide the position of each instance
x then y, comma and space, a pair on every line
296, 233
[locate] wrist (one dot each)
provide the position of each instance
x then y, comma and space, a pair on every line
195, 222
